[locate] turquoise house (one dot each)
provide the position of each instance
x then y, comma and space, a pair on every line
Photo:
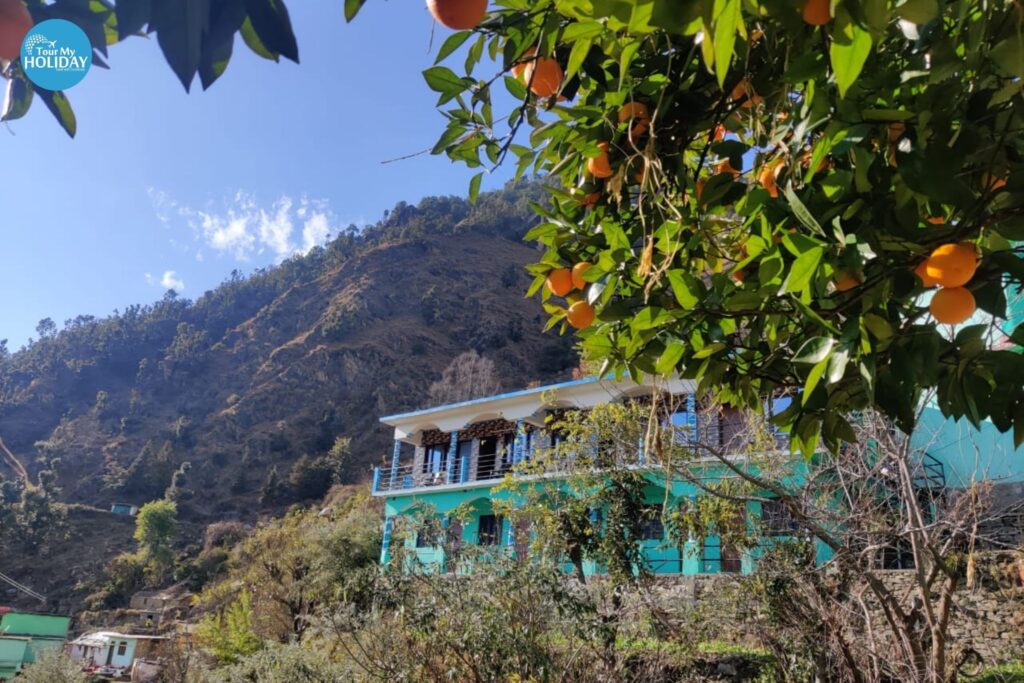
26, 635
455, 457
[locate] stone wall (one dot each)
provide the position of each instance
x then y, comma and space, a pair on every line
988, 616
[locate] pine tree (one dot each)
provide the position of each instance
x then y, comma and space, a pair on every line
272, 488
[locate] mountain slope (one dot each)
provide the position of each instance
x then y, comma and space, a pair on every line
265, 369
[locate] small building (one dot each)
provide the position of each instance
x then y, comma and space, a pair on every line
26, 635
111, 653
126, 509
153, 608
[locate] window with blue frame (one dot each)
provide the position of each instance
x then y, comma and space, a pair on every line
465, 451
435, 458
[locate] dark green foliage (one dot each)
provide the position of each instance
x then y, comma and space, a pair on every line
150, 472
310, 477
273, 489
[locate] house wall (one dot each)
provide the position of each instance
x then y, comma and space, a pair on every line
124, 660
663, 556
969, 454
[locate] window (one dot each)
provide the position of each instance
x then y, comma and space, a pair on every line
684, 426
777, 406
486, 460
651, 526
777, 519
122, 647
426, 535
489, 530
465, 452
435, 458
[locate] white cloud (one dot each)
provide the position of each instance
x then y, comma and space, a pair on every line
169, 280
243, 229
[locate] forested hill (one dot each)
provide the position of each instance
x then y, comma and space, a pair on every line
272, 367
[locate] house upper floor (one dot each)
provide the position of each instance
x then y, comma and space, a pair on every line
477, 442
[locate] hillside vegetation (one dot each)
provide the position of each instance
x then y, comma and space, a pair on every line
268, 368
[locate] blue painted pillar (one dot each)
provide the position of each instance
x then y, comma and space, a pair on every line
385, 544
453, 451
641, 456
376, 479
394, 465
510, 533
519, 445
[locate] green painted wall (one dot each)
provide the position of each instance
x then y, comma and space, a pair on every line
968, 454
662, 556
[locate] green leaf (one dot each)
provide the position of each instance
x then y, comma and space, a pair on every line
727, 20
800, 211
226, 19
451, 44
60, 107
670, 358
579, 52
474, 187
443, 80
254, 43
878, 326
352, 8
1009, 55
813, 377
850, 48
709, 350
274, 27
179, 30
918, 11
837, 364
582, 30
803, 270
814, 350
17, 99
683, 286
132, 15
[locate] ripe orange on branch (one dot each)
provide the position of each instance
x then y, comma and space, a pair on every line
560, 281
952, 305
816, 12
577, 274
600, 166
544, 75
458, 14
922, 273
952, 265
15, 22
638, 116
847, 281
580, 315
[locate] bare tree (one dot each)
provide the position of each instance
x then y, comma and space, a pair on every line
468, 376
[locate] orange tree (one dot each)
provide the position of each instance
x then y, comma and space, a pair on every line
766, 192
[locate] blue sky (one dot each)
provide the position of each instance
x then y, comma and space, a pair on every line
162, 188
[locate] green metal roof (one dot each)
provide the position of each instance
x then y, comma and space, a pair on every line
33, 624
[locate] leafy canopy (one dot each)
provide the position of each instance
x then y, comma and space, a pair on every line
776, 160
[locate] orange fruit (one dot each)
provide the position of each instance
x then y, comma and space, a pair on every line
726, 167
768, 175
816, 12
846, 281
952, 265
895, 130
15, 22
952, 305
740, 90
589, 200
560, 281
922, 272
638, 116
699, 190
577, 274
718, 133
599, 166
580, 315
992, 183
937, 220
458, 14
544, 75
